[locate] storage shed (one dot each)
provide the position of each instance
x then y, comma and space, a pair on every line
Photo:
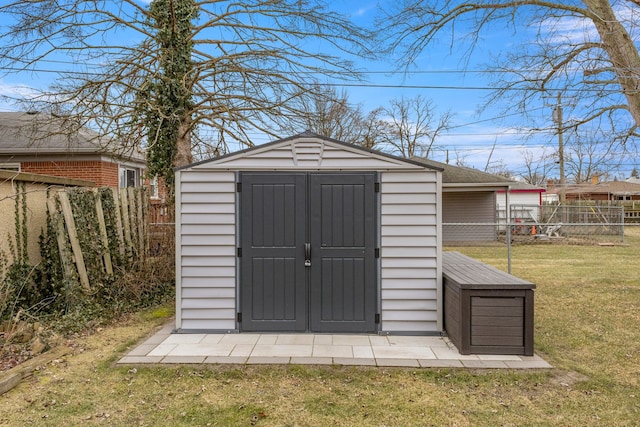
309, 234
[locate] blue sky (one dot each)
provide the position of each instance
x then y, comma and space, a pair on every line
438, 74
441, 75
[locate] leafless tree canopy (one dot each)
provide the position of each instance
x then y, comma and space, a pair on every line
582, 48
329, 113
251, 58
589, 155
538, 166
413, 126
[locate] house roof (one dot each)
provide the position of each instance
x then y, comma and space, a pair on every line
463, 175
41, 133
525, 187
460, 176
302, 148
605, 187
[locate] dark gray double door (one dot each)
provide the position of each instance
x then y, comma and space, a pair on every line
308, 252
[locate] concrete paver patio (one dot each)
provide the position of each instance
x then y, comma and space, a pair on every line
315, 349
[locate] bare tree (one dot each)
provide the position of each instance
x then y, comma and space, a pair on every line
413, 126
460, 158
329, 113
585, 155
590, 155
249, 59
408, 127
538, 166
499, 168
581, 46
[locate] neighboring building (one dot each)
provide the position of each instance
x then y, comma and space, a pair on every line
473, 202
524, 202
46, 144
606, 191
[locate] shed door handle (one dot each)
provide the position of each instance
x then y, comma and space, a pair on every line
307, 254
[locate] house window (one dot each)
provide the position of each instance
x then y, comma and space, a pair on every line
153, 188
10, 166
129, 177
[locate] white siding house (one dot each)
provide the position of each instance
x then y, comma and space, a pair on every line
524, 202
309, 234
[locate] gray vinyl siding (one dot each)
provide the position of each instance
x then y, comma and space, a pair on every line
206, 250
206, 241
476, 210
409, 252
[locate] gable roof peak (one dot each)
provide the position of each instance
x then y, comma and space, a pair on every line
310, 149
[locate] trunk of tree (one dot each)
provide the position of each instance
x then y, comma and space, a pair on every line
622, 52
183, 155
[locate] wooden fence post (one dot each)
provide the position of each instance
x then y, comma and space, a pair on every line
106, 255
116, 203
140, 220
133, 223
73, 239
58, 226
124, 206
145, 219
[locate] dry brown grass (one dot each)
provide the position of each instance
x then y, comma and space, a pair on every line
587, 326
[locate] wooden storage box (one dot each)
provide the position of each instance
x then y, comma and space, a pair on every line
486, 311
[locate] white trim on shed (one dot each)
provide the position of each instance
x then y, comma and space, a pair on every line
409, 271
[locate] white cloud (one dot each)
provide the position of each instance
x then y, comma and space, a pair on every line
363, 10
10, 94
17, 90
476, 145
579, 30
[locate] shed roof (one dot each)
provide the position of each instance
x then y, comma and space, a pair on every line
312, 151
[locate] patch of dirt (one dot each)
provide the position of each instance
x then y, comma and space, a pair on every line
568, 378
24, 342
12, 355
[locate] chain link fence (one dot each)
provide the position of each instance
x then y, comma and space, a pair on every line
565, 223
543, 224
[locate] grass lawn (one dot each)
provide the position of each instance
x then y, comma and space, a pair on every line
587, 326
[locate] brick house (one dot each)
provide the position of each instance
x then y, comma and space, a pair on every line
45, 144
605, 191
